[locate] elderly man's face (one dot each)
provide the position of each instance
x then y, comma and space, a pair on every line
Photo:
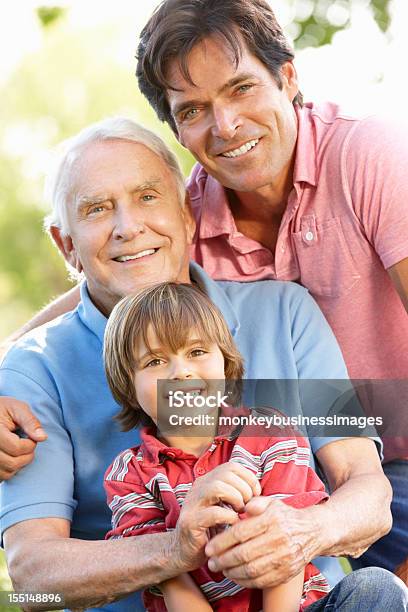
235, 120
127, 227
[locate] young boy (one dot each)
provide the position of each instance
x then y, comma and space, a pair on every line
172, 333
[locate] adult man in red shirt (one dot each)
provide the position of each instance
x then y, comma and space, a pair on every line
291, 192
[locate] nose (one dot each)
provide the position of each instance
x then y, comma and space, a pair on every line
180, 369
128, 223
226, 121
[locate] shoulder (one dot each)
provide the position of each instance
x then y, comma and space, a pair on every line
124, 465
277, 291
371, 133
268, 298
379, 139
49, 345
43, 355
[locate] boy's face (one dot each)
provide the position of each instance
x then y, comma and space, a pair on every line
195, 370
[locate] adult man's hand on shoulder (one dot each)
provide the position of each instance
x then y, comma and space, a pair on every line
17, 452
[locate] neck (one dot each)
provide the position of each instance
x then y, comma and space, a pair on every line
258, 214
266, 203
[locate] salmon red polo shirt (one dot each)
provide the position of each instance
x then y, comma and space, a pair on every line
345, 223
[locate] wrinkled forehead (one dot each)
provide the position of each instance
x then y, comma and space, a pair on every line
105, 168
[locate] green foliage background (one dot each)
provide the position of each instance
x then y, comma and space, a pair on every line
71, 81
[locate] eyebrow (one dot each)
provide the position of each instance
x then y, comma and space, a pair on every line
86, 200
156, 351
243, 76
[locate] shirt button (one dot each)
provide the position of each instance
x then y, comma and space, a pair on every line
309, 236
282, 248
200, 471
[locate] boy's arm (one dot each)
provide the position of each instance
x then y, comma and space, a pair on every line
182, 593
285, 597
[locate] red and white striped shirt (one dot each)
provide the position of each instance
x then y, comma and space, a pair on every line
146, 487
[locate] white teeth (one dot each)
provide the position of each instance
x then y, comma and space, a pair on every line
193, 393
141, 254
241, 150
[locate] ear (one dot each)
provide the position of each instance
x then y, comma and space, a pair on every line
289, 79
66, 246
189, 219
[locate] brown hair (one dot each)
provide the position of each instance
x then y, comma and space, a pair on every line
176, 26
173, 310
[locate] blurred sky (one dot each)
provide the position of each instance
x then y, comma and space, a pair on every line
362, 66
361, 69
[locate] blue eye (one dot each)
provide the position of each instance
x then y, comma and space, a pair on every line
244, 88
95, 209
148, 197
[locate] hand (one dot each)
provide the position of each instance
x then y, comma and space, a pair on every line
268, 548
230, 483
402, 571
16, 452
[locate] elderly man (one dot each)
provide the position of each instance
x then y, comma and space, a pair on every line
119, 217
291, 192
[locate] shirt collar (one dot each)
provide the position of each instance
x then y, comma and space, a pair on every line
305, 162
216, 216
96, 321
89, 313
153, 450
217, 295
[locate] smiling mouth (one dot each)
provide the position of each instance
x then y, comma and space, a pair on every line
139, 255
187, 392
241, 150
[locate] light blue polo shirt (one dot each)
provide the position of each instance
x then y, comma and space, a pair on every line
58, 370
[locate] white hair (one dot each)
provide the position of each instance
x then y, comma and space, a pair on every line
58, 185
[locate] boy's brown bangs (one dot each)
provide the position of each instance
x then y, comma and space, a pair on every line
174, 320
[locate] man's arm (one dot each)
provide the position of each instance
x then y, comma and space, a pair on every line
62, 304
16, 452
399, 276
277, 541
42, 557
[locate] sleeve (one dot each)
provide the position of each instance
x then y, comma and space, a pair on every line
286, 473
44, 488
374, 166
324, 388
135, 511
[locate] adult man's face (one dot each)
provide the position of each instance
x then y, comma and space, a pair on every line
235, 120
127, 228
